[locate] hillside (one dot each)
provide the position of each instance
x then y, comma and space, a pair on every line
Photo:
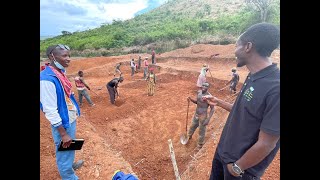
175, 24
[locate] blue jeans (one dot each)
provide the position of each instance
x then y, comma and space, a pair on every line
65, 159
145, 72
132, 71
84, 93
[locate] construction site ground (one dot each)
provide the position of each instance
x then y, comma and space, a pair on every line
133, 134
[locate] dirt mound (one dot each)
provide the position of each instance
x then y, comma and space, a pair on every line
202, 50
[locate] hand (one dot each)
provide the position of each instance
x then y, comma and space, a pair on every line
229, 166
66, 139
214, 101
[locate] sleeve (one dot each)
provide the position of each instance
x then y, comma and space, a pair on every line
271, 116
48, 98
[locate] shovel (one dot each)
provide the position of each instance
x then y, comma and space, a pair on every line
184, 137
94, 92
223, 88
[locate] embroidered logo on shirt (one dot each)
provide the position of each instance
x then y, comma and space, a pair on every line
248, 94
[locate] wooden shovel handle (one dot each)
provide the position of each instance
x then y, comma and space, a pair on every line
187, 116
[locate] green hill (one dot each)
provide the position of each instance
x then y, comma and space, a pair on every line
175, 24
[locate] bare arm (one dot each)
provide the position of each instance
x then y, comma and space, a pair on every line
82, 80
213, 101
192, 100
261, 149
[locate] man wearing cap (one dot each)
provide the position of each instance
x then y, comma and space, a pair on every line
117, 70
60, 107
81, 85
234, 81
145, 68
202, 76
112, 87
200, 117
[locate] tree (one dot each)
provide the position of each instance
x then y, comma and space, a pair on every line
262, 6
207, 9
66, 32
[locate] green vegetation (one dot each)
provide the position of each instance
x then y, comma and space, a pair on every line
163, 29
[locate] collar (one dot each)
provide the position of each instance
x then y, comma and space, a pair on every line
263, 73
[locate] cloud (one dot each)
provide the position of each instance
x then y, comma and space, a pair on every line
79, 15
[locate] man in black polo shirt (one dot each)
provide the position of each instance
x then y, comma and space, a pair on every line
251, 135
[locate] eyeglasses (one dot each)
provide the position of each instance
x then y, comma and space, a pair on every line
62, 46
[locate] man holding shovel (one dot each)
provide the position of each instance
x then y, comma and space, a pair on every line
234, 81
112, 87
200, 117
81, 87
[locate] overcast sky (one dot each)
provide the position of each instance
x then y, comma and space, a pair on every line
79, 15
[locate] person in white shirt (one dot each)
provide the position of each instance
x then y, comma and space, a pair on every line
60, 107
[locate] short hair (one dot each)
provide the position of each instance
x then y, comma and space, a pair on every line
265, 38
50, 49
80, 72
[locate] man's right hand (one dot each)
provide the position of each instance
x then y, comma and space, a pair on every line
66, 139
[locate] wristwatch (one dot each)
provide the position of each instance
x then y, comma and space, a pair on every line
236, 169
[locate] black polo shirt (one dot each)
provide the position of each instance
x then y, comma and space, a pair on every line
256, 108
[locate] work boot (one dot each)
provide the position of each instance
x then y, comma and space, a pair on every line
77, 165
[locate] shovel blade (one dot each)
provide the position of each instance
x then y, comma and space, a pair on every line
184, 139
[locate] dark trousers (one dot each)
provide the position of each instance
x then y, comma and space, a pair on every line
152, 60
219, 171
112, 94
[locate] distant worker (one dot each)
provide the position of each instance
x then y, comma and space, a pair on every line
139, 62
202, 76
200, 117
145, 68
81, 84
133, 67
151, 79
153, 56
112, 87
234, 81
117, 70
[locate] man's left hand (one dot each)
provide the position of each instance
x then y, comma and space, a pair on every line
229, 166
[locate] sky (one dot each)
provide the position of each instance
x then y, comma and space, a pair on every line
80, 15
